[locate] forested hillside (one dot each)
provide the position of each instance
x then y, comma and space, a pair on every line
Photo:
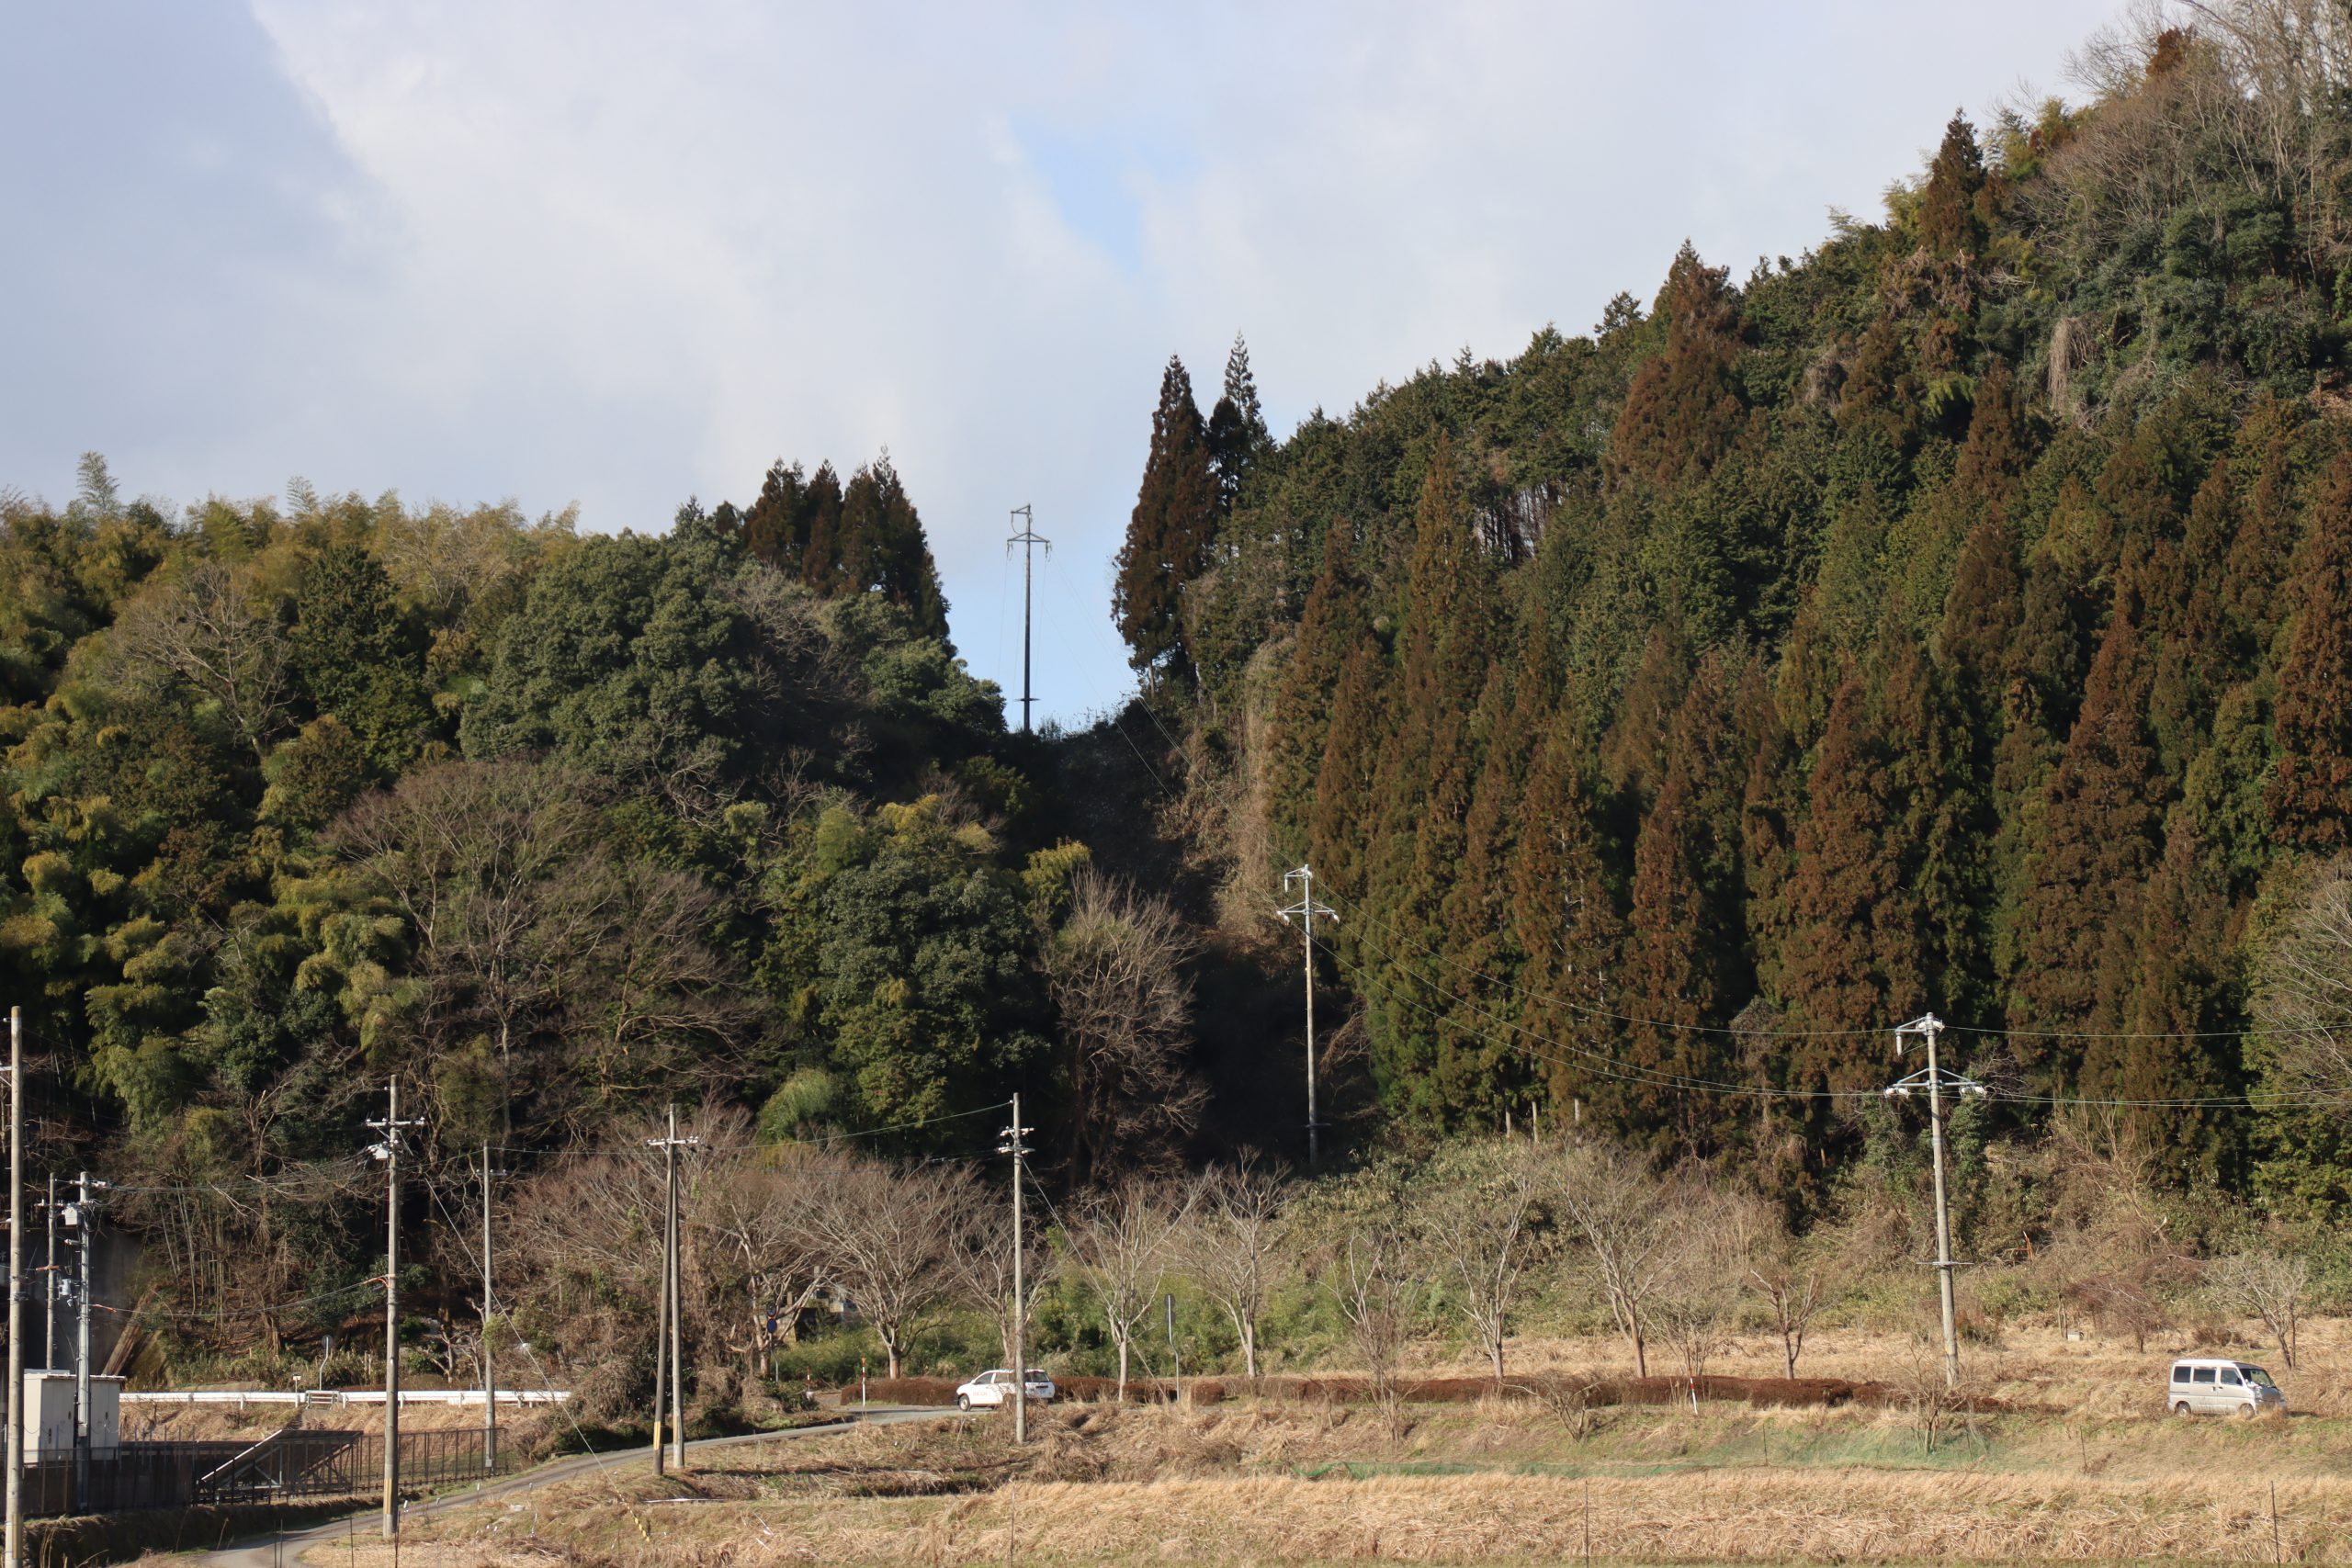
1957, 617
301, 797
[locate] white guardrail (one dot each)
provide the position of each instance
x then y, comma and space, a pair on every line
243, 1397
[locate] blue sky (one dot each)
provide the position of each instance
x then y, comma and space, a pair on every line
617, 255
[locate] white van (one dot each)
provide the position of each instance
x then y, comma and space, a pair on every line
2204, 1386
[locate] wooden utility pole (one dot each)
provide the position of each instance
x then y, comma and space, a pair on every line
678, 1315
1935, 1080
1014, 1144
388, 1151
15, 1543
86, 1203
669, 1334
49, 1280
489, 1378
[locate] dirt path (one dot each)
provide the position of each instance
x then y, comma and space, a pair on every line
284, 1552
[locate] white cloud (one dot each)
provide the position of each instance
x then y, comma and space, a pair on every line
622, 252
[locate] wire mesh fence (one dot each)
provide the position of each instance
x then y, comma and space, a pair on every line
294, 1463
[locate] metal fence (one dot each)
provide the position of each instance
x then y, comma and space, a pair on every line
294, 1463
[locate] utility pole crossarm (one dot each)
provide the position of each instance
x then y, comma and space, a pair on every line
1305, 911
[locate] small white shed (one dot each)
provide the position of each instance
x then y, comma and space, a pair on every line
49, 1412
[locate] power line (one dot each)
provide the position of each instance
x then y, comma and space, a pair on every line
1614, 1069
1474, 972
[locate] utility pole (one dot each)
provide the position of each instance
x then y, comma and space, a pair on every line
49, 1280
15, 1543
388, 1151
1935, 1080
669, 1345
1307, 910
1013, 1144
1028, 538
489, 1378
84, 1218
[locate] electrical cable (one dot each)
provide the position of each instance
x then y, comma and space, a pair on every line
547, 1378
1611, 1067
1588, 1011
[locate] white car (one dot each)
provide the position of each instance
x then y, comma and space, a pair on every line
994, 1389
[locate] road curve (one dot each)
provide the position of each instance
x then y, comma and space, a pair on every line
272, 1551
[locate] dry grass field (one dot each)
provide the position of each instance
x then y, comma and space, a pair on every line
2080, 1466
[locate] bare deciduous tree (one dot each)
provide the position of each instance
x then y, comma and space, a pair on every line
2268, 1285
1481, 1220
985, 1279
745, 1212
1231, 1244
1698, 1286
893, 1240
1121, 1243
1114, 971
218, 631
1373, 1279
523, 932
1612, 1203
1790, 1282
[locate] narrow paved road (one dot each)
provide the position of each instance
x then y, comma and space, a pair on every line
271, 1551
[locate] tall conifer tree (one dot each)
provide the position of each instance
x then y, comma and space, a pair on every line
1170, 533
2310, 795
2081, 905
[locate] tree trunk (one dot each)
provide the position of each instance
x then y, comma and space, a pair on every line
1495, 1348
1788, 1351
1123, 1368
1249, 1350
1641, 1356
890, 1353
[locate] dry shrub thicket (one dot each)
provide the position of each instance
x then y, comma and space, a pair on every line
1380, 1275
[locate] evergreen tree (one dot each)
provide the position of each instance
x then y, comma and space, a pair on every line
1950, 222
1237, 435
1329, 628
775, 526
1685, 406
1422, 789
2311, 793
2179, 1019
1683, 962
1565, 920
821, 556
2098, 840
1854, 955
1343, 782
1170, 533
357, 657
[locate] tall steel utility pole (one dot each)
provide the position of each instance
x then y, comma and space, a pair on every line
1307, 910
84, 1218
669, 1337
1028, 538
15, 1540
388, 1151
1015, 1145
1935, 1080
